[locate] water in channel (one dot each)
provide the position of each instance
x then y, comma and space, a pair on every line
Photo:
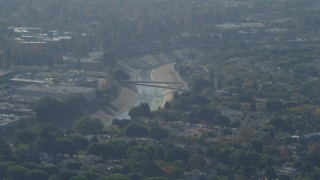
146, 94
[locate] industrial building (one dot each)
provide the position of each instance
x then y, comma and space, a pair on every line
55, 91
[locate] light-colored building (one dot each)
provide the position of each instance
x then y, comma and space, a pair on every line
56, 91
92, 62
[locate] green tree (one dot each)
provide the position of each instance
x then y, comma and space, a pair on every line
65, 146
121, 147
143, 110
196, 161
199, 100
155, 178
136, 130
167, 105
74, 165
79, 141
137, 161
314, 152
221, 120
48, 109
15, 172
4, 166
257, 145
280, 124
157, 151
253, 107
73, 105
87, 125
49, 142
46, 140
79, 177
222, 169
174, 172
26, 136
177, 153
64, 174
109, 60
50, 169
274, 105
139, 149
107, 150
120, 123
206, 113
26, 152
307, 168
223, 155
211, 152
30, 165
90, 175
159, 133
248, 171
5, 152
36, 174
116, 177
150, 168
270, 173
200, 84
120, 74
136, 176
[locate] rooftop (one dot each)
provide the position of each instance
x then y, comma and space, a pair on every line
4, 72
56, 89
37, 35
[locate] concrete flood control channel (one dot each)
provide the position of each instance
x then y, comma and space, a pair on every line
146, 68
146, 94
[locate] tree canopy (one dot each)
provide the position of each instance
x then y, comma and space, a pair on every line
88, 125
136, 130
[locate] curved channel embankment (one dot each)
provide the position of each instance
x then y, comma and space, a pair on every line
154, 67
167, 73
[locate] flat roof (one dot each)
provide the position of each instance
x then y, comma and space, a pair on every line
56, 89
4, 72
27, 80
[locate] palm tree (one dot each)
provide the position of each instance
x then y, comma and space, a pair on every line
211, 152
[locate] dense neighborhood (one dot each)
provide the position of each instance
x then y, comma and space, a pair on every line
159, 89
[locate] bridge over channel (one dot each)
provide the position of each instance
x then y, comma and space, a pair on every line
156, 84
